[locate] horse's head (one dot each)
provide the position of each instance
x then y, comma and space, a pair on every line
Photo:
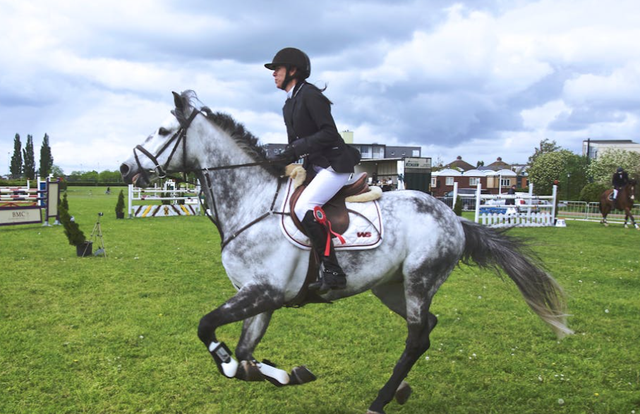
164, 151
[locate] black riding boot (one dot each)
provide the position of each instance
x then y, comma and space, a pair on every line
332, 276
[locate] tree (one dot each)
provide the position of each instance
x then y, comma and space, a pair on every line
107, 176
16, 159
545, 147
601, 169
29, 159
57, 171
563, 166
592, 191
46, 159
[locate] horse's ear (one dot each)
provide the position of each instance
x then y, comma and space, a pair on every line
177, 99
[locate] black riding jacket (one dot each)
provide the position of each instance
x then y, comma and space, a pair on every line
619, 180
312, 131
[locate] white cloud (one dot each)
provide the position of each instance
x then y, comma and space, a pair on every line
472, 78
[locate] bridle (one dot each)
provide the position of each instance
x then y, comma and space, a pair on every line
161, 170
179, 136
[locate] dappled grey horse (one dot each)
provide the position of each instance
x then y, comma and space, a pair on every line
423, 241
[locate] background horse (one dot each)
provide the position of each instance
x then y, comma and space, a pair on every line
423, 241
624, 202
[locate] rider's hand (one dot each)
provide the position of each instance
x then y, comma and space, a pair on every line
292, 152
287, 156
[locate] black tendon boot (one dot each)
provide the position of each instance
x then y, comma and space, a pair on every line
332, 275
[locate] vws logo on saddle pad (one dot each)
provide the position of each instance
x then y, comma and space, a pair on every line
365, 224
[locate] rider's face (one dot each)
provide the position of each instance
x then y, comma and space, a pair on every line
279, 75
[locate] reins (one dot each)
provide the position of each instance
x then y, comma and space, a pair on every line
235, 234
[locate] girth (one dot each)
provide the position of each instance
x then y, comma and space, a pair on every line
336, 208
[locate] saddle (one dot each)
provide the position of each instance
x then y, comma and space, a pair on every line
336, 208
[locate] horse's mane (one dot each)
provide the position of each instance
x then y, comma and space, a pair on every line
248, 142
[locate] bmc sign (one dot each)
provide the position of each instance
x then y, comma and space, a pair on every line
20, 215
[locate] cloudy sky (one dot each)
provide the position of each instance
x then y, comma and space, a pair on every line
480, 79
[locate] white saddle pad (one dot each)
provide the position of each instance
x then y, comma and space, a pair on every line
364, 232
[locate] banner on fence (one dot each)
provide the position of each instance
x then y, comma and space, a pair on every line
24, 205
20, 215
173, 202
165, 210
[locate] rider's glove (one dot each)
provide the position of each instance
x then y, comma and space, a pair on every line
287, 156
292, 152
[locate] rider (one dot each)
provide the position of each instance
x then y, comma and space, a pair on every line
313, 135
619, 180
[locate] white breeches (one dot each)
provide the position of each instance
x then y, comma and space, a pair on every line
324, 185
615, 193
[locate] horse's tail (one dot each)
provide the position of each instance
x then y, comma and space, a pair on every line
490, 248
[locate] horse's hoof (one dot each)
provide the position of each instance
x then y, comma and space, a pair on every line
403, 393
301, 375
248, 371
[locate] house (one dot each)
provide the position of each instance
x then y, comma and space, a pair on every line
404, 166
496, 178
460, 164
592, 148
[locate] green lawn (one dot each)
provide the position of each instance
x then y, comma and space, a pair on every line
118, 334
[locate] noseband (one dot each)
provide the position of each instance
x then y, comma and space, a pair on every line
180, 135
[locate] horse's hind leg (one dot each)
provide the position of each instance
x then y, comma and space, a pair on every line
420, 323
393, 296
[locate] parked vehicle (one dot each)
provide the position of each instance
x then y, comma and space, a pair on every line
467, 197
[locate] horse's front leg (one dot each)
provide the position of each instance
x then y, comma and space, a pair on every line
632, 219
251, 300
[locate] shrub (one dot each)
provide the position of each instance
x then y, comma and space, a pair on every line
591, 192
120, 204
458, 207
71, 228
65, 203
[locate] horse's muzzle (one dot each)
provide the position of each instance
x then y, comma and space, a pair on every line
125, 172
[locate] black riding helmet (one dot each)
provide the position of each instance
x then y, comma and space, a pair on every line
291, 57
619, 169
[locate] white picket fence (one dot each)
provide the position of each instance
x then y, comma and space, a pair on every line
530, 210
527, 219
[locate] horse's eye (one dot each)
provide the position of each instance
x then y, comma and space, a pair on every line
163, 131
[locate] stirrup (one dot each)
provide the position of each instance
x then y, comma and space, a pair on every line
329, 280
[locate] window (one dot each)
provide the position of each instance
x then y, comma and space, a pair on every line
434, 182
473, 181
506, 182
449, 181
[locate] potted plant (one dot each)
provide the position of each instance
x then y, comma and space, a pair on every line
120, 205
75, 236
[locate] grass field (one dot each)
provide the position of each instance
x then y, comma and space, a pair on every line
118, 334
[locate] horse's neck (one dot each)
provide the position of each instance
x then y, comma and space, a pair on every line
236, 196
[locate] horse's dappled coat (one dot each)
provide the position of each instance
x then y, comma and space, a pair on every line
423, 241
